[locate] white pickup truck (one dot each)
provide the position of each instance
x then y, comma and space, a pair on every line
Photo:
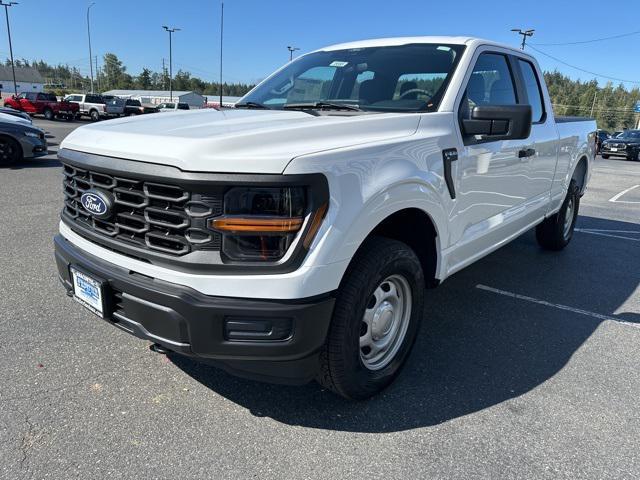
296, 236
91, 105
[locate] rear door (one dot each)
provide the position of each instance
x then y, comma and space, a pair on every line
492, 175
541, 165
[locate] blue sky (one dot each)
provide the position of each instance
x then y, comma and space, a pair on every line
257, 32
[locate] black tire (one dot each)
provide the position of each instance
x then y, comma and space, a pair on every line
10, 151
342, 368
70, 117
48, 114
553, 233
605, 156
95, 116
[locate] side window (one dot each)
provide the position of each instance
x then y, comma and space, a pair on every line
491, 82
534, 92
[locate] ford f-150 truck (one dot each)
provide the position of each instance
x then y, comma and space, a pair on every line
90, 104
296, 236
45, 104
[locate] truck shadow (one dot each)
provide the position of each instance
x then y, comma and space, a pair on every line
476, 348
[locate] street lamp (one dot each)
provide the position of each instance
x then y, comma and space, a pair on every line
89, 35
170, 31
13, 68
291, 50
525, 34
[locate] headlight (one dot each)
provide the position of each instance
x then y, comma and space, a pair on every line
32, 134
260, 224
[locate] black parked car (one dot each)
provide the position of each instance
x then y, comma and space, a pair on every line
19, 140
627, 145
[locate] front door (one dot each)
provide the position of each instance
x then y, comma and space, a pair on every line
492, 175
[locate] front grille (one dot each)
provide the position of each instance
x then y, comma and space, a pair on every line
148, 215
616, 145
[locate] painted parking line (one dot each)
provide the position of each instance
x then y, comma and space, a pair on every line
615, 198
556, 305
610, 233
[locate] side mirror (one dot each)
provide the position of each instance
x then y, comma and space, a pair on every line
499, 122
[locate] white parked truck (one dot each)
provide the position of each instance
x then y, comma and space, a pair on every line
296, 236
91, 105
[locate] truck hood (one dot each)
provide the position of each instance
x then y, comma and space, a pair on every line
234, 141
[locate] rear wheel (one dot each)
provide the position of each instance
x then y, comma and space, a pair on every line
10, 151
556, 231
48, 114
605, 156
375, 322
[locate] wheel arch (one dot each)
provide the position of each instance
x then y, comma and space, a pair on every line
581, 173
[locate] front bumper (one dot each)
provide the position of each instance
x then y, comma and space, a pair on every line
631, 151
188, 322
33, 147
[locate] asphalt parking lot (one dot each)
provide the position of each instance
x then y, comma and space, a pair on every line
526, 367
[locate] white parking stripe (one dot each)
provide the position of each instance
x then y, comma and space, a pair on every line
616, 197
592, 232
556, 305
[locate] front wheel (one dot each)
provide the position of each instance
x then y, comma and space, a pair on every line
555, 232
378, 310
605, 156
95, 116
10, 151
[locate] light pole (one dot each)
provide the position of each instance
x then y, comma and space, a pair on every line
221, 38
89, 35
525, 34
171, 31
13, 68
291, 50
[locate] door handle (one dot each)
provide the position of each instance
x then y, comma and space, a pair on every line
526, 152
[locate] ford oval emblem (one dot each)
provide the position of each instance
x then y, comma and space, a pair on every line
97, 203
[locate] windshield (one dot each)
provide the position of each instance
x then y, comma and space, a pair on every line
630, 135
405, 78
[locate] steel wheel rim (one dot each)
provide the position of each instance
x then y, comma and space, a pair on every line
385, 322
568, 218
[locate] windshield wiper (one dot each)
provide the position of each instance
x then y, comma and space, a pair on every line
322, 106
252, 105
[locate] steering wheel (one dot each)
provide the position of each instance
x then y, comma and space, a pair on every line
416, 90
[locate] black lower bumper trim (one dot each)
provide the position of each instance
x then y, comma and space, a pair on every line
191, 323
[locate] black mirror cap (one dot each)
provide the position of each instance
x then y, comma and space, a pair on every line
499, 122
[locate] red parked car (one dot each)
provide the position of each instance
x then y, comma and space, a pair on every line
46, 104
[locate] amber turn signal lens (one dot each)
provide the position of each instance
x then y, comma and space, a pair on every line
257, 224
316, 221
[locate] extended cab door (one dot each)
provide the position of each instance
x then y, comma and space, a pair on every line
493, 177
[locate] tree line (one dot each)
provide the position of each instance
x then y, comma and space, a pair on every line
112, 74
612, 106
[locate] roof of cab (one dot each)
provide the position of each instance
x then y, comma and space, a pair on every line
393, 41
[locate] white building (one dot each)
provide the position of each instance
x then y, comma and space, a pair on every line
27, 79
156, 97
